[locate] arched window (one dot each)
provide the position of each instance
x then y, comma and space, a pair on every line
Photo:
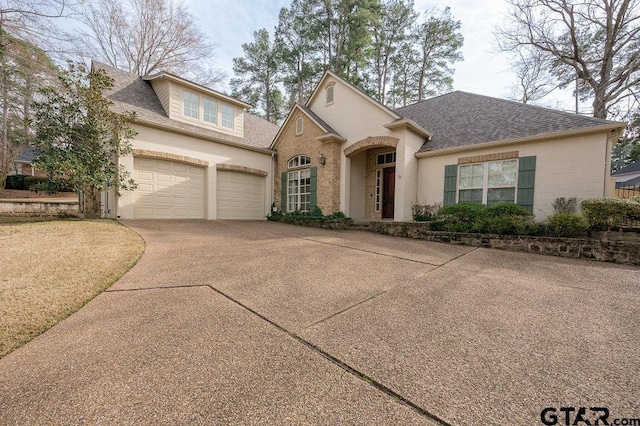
299, 126
330, 94
299, 161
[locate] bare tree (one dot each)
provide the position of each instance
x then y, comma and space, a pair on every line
149, 36
595, 42
533, 81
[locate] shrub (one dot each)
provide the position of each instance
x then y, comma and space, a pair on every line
508, 209
314, 215
507, 225
565, 205
15, 182
610, 213
424, 212
567, 225
458, 217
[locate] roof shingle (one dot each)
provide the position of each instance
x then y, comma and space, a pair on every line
131, 93
460, 119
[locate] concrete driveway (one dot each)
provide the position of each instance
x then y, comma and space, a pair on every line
265, 323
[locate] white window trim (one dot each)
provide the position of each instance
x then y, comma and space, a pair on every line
378, 196
296, 174
384, 154
216, 123
299, 158
299, 126
182, 104
330, 89
233, 116
485, 180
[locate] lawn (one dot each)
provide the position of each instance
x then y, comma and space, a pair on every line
51, 269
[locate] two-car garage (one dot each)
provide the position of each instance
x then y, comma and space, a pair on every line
177, 190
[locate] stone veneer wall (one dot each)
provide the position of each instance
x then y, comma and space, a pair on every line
30, 208
290, 145
608, 248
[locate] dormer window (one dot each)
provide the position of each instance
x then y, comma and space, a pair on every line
299, 126
330, 94
190, 105
227, 116
210, 111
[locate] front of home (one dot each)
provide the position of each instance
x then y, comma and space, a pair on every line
343, 151
197, 153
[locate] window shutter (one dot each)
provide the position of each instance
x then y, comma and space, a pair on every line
283, 192
314, 188
450, 184
526, 182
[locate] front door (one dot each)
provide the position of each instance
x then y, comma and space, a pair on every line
388, 192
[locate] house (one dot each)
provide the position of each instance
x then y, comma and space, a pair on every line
343, 151
24, 163
627, 180
197, 155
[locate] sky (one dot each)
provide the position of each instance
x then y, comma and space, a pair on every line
232, 22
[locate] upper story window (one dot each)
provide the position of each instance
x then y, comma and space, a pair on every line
300, 160
210, 111
330, 91
190, 105
227, 116
489, 183
299, 126
386, 158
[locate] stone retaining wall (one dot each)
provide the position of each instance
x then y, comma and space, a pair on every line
608, 247
36, 207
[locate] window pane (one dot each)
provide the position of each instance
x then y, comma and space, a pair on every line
500, 195
465, 171
190, 105
227, 116
470, 196
210, 111
477, 170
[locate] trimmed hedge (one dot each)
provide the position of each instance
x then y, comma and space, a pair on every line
315, 215
15, 182
605, 214
502, 218
567, 225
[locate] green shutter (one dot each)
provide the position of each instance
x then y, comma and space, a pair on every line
314, 188
526, 182
450, 184
283, 192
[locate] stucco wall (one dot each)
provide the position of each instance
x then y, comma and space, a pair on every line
152, 139
567, 167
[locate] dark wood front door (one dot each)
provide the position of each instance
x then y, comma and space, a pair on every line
388, 192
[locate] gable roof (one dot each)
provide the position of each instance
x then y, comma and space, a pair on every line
630, 168
328, 130
134, 94
460, 119
331, 74
27, 155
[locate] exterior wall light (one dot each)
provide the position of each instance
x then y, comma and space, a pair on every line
322, 159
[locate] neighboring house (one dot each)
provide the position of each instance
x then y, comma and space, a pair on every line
24, 164
627, 180
197, 155
343, 151
628, 175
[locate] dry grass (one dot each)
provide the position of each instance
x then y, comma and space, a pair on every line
51, 269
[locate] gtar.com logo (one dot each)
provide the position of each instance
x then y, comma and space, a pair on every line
569, 416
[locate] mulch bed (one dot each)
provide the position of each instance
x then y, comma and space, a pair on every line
15, 193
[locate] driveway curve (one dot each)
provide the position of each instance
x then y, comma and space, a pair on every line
266, 323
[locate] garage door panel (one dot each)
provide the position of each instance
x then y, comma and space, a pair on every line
168, 190
240, 195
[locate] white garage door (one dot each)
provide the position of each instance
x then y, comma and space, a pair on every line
168, 190
240, 196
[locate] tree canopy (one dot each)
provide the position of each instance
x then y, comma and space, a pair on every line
79, 138
385, 47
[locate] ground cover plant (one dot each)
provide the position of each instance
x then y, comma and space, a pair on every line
51, 269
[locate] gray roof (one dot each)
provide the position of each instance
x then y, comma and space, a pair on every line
27, 155
131, 93
460, 119
631, 168
629, 183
